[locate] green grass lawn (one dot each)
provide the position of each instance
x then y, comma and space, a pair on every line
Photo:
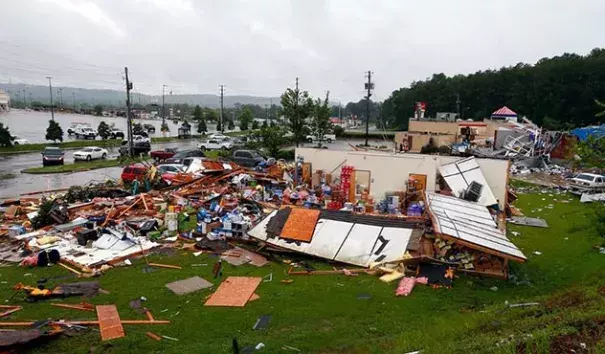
322, 314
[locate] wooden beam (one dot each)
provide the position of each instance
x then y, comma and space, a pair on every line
81, 323
165, 266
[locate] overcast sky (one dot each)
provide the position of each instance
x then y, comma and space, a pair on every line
258, 47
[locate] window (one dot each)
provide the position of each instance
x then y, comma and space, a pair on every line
247, 155
98, 149
128, 170
585, 177
212, 142
599, 180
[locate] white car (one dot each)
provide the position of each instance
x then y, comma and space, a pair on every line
215, 144
587, 183
90, 153
218, 136
19, 141
328, 138
171, 168
140, 139
85, 132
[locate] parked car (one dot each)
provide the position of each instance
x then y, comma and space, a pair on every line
74, 125
141, 138
19, 141
117, 134
85, 132
52, 156
160, 155
138, 147
587, 183
215, 144
171, 168
134, 172
90, 153
179, 157
247, 158
327, 138
149, 128
218, 136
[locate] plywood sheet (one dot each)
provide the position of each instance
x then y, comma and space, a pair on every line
109, 322
189, 285
234, 292
300, 224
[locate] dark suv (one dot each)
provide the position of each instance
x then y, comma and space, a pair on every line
52, 156
182, 154
247, 158
139, 147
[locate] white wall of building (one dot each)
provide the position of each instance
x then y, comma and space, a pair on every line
389, 172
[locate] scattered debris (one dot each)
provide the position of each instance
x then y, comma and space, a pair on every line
234, 291
189, 285
536, 222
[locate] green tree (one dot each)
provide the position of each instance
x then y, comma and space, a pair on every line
245, 118
6, 139
164, 128
198, 117
231, 125
601, 106
591, 152
103, 130
137, 129
219, 127
338, 131
320, 122
272, 139
297, 106
211, 115
54, 131
98, 110
264, 124
255, 125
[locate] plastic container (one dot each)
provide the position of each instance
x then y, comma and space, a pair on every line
172, 221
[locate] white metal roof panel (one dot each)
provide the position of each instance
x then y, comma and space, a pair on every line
460, 174
358, 246
471, 223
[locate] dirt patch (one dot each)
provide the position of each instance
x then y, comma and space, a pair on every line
588, 334
567, 299
601, 290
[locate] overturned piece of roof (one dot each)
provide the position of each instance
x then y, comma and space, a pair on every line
470, 224
460, 174
347, 238
504, 112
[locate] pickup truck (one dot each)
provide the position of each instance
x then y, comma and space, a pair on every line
587, 183
214, 144
161, 155
247, 158
85, 132
328, 138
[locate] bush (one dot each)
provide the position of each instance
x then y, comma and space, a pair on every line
338, 131
287, 155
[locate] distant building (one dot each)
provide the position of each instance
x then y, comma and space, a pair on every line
4, 101
504, 114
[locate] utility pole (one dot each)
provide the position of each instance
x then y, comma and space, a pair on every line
369, 86
50, 87
24, 99
73, 95
458, 105
297, 115
221, 117
60, 91
272, 113
163, 106
267, 114
128, 118
339, 110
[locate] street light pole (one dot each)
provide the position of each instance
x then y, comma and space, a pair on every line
50, 87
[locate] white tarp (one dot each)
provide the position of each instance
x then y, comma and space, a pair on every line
459, 175
471, 223
587, 198
346, 242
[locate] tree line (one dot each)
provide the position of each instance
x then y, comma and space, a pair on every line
557, 92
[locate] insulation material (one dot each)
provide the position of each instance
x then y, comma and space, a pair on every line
300, 224
109, 322
234, 292
189, 285
347, 242
460, 174
525, 221
470, 223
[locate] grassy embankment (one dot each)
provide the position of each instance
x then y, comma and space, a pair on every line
80, 166
322, 314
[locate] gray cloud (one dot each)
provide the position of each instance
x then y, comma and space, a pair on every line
259, 46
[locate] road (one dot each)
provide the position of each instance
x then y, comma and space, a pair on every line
13, 182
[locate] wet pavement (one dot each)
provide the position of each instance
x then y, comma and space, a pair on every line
13, 182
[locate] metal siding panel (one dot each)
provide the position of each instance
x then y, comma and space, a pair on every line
398, 243
357, 247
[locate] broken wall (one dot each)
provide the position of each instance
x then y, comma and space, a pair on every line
389, 172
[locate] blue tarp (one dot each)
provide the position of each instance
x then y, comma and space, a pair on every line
583, 133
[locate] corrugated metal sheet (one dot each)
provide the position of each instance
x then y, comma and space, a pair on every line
471, 223
459, 176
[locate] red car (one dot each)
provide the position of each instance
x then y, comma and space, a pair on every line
161, 155
134, 172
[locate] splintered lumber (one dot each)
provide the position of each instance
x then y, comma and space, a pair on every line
326, 272
81, 307
165, 266
82, 323
153, 336
130, 207
109, 322
149, 315
10, 309
69, 268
